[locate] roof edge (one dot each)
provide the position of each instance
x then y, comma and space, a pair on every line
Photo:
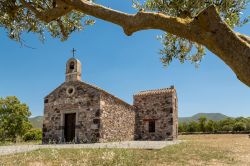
107, 93
156, 91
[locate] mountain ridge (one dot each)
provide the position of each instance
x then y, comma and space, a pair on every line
209, 116
37, 121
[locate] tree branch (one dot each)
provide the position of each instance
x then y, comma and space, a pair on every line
60, 23
207, 29
51, 14
134, 22
244, 37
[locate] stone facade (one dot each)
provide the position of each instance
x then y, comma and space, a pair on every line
84, 101
117, 119
83, 113
156, 115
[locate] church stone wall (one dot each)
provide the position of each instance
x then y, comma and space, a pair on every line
72, 97
102, 117
159, 108
117, 120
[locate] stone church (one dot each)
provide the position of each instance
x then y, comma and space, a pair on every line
82, 113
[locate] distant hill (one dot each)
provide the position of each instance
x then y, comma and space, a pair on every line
36, 121
209, 116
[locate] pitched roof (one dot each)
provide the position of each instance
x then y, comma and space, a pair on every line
54, 90
113, 96
156, 91
97, 88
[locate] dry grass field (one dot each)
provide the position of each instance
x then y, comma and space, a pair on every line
194, 150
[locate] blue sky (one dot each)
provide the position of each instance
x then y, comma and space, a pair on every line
121, 65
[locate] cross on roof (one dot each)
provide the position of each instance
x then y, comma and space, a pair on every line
73, 51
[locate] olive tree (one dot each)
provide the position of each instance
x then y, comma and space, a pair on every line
189, 26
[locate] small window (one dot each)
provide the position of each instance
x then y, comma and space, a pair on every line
151, 126
70, 91
46, 100
171, 110
72, 66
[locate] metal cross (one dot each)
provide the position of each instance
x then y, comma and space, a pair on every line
73, 51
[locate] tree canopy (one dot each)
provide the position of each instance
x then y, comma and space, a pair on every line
213, 126
14, 120
189, 26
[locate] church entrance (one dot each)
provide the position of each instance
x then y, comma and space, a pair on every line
69, 127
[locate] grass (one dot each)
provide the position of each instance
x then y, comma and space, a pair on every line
194, 150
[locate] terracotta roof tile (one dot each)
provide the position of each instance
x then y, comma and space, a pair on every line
156, 91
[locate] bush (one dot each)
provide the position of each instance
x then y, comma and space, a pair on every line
227, 128
33, 135
193, 127
239, 126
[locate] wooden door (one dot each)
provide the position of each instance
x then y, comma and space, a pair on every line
69, 127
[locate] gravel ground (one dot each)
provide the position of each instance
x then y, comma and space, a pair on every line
4, 150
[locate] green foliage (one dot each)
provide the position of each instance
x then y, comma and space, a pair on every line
13, 118
182, 127
228, 124
175, 47
179, 48
210, 127
193, 126
228, 121
248, 124
33, 135
18, 20
202, 123
239, 126
227, 128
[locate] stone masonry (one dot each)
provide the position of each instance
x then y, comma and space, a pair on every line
84, 101
118, 119
157, 108
79, 112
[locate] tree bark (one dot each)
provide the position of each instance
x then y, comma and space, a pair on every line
207, 29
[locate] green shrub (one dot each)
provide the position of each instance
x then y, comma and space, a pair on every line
14, 120
33, 135
239, 126
227, 128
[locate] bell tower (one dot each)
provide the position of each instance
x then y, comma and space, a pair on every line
73, 70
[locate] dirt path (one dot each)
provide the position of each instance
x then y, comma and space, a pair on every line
5, 150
